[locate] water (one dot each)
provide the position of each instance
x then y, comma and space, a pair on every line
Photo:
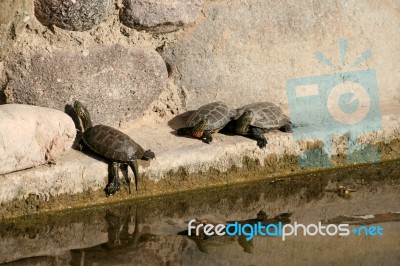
147, 232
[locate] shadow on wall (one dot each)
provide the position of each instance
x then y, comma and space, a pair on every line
2, 97
69, 110
3, 84
180, 120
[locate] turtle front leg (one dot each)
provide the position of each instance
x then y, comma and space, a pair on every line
81, 145
114, 185
258, 134
134, 166
207, 136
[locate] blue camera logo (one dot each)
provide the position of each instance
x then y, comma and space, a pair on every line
338, 104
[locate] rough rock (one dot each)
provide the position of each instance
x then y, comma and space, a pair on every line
13, 17
114, 83
159, 16
71, 14
32, 135
245, 51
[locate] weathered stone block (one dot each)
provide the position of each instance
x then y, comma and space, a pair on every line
114, 83
13, 17
32, 135
159, 16
245, 51
73, 15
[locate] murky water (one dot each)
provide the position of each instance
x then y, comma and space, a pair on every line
152, 232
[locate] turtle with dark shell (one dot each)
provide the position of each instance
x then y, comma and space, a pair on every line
113, 145
208, 119
257, 118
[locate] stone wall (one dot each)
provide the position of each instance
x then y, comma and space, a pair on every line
81, 50
244, 51
104, 52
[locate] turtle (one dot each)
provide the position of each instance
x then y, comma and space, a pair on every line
256, 118
209, 118
112, 144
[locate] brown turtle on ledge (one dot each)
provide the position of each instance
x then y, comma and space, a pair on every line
113, 145
207, 119
257, 118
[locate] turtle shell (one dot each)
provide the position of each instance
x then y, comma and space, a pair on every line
217, 113
266, 115
112, 143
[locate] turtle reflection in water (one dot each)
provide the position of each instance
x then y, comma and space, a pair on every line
262, 218
113, 145
204, 242
257, 118
207, 241
206, 120
123, 247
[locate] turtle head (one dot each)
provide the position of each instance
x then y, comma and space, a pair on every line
198, 129
243, 122
148, 154
83, 115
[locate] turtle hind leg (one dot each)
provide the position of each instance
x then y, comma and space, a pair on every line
258, 134
114, 185
134, 166
286, 128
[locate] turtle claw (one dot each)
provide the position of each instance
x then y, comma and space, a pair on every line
80, 147
206, 140
112, 188
207, 137
257, 134
262, 143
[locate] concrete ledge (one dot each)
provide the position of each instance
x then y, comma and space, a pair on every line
181, 163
